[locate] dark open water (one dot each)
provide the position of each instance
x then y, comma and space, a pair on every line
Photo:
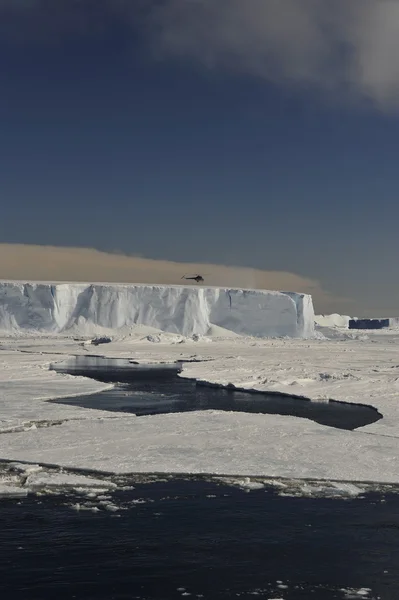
157, 389
193, 538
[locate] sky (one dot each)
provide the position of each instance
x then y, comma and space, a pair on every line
261, 134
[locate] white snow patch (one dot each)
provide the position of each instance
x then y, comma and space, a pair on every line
333, 320
25, 469
348, 489
247, 484
87, 507
219, 332
297, 488
330, 490
46, 480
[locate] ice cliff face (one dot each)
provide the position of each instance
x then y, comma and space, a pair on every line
61, 307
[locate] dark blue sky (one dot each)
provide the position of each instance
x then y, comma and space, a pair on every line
104, 145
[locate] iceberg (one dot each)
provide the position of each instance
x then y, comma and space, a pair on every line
186, 310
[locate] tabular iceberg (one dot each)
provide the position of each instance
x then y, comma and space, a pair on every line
187, 310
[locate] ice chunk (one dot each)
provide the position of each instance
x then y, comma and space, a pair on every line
353, 593
12, 491
57, 480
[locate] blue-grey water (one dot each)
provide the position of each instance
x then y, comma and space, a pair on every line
199, 539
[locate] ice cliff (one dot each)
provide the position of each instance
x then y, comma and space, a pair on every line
63, 307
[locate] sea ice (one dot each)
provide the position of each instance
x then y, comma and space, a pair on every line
236, 444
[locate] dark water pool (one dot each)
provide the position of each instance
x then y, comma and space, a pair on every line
157, 389
121, 370
198, 539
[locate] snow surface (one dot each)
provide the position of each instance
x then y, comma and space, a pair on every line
188, 310
333, 320
358, 369
214, 329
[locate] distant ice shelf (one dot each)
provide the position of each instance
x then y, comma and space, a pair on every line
383, 323
346, 322
187, 310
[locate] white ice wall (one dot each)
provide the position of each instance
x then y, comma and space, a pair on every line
333, 320
186, 310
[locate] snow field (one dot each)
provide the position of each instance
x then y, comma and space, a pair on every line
237, 444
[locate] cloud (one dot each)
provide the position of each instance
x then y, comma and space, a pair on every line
48, 263
348, 47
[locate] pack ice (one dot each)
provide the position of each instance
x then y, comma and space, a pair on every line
187, 310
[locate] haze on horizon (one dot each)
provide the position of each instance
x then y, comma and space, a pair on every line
21, 262
260, 135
